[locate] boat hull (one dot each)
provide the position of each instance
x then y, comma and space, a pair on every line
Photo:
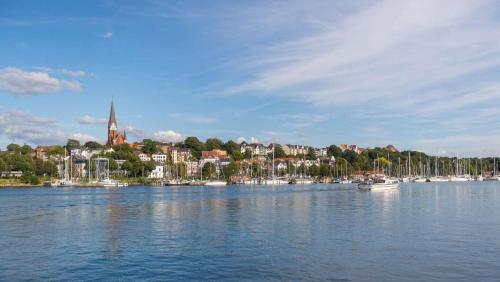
378, 186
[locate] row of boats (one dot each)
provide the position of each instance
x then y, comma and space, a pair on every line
107, 182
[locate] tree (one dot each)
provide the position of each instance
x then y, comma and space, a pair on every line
56, 150
350, 156
334, 151
324, 170
279, 152
311, 155
150, 146
231, 147
92, 145
72, 144
314, 170
209, 170
231, 169
13, 148
3, 165
26, 149
237, 155
213, 143
195, 145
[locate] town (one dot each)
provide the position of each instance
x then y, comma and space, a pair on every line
214, 162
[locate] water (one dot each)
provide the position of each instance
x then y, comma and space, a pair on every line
422, 232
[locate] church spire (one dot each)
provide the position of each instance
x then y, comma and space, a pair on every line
112, 118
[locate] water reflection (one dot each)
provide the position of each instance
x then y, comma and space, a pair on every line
317, 232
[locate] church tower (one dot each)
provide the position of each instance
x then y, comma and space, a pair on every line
114, 137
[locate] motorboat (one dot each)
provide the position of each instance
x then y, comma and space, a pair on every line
62, 183
107, 182
216, 183
376, 183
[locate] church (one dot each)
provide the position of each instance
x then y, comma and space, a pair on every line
114, 137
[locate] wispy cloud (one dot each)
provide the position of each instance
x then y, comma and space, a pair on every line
386, 52
24, 83
193, 118
86, 119
106, 35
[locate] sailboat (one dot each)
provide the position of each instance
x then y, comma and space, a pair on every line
66, 181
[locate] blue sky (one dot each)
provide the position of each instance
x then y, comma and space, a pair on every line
417, 74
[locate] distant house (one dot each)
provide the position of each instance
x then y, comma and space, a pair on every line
257, 149
180, 155
144, 157
159, 158
158, 172
354, 148
214, 154
391, 149
11, 173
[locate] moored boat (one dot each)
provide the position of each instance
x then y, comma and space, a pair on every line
376, 183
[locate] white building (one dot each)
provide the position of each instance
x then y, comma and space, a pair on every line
159, 158
143, 157
158, 172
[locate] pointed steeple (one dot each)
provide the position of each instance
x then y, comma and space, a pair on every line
112, 125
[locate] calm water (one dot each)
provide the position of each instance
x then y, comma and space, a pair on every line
440, 232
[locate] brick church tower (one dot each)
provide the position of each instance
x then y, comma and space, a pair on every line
114, 137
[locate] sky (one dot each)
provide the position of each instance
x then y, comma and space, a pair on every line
418, 74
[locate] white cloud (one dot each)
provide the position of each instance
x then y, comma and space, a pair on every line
18, 82
71, 73
167, 136
86, 119
82, 137
162, 135
24, 127
106, 35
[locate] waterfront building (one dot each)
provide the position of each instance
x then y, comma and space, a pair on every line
158, 172
114, 137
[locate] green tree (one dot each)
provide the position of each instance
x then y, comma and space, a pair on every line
237, 156
150, 146
13, 148
232, 147
213, 143
334, 151
311, 155
209, 171
56, 151
195, 145
279, 152
350, 156
26, 149
92, 145
324, 170
3, 165
231, 169
72, 144
314, 170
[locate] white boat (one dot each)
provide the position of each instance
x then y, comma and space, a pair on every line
419, 180
111, 183
216, 183
439, 179
460, 178
377, 183
404, 179
62, 183
302, 181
